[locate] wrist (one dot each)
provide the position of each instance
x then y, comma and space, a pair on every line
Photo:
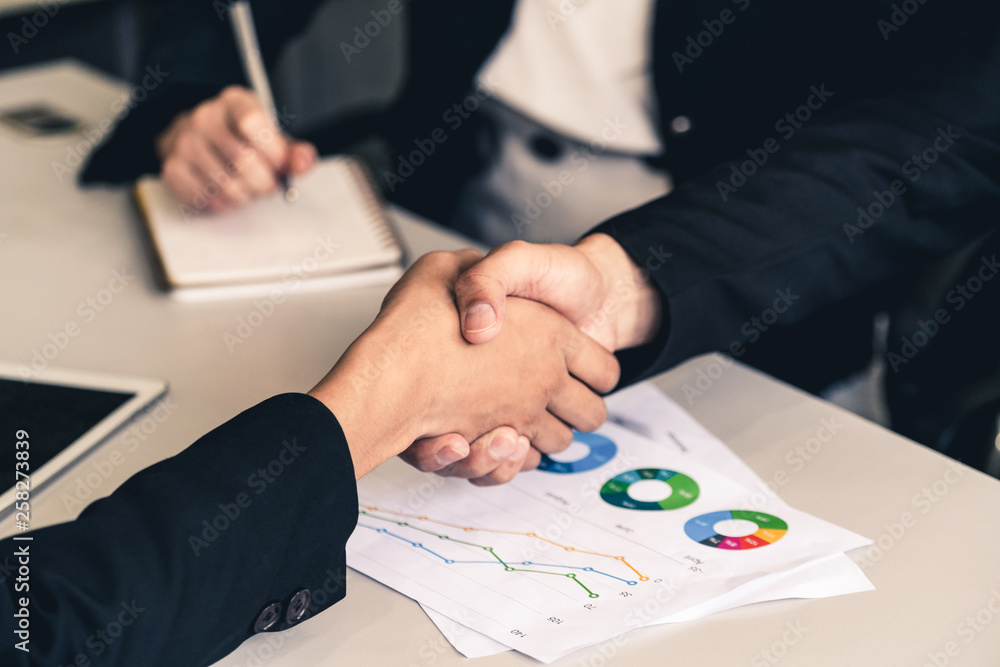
634, 300
375, 403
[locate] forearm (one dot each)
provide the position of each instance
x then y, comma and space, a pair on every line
795, 224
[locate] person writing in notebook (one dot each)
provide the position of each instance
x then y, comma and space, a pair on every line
244, 531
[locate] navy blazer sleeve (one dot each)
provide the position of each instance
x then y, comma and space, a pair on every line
174, 567
794, 235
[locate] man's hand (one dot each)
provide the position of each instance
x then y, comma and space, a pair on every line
595, 284
411, 375
226, 152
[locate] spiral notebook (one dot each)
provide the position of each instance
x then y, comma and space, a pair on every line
334, 235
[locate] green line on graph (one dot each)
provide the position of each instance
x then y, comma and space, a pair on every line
507, 567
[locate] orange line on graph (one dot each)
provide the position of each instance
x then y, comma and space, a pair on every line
470, 529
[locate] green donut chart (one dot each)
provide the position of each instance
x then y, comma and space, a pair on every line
770, 529
684, 490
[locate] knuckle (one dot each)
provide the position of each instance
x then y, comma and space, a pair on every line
185, 144
171, 168
516, 246
232, 92
202, 115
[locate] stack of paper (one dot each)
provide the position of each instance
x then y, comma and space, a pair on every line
651, 519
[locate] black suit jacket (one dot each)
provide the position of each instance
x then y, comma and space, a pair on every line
803, 116
176, 566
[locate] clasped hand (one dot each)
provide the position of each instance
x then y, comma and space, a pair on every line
412, 376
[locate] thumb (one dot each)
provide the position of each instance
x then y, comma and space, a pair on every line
302, 157
482, 289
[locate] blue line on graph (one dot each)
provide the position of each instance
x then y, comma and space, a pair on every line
450, 561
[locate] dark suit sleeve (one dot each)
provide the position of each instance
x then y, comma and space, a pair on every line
192, 57
174, 567
792, 236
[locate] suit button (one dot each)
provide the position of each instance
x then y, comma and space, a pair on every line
297, 606
680, 125
268, 617
546, 148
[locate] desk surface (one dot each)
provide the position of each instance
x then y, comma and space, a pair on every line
937, 577
29, 7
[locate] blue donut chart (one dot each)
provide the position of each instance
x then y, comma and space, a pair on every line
602, 450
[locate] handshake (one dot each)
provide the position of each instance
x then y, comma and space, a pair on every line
475, 367
453, 375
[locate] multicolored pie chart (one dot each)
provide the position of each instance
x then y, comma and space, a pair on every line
683, 490
702, 529
602, 450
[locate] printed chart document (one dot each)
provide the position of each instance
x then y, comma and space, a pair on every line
582, 549
646, 410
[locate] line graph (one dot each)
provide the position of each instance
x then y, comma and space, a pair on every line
509, 565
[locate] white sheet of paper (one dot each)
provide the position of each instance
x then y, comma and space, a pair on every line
646, 410
551, 563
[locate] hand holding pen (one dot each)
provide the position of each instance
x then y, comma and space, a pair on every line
228, 151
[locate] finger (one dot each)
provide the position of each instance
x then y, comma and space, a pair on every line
255, 173
591, 363
575, 404
509, 468
251, 122
555, 275
180, 178
230, 187
302, 158
532, 459
487, 453
549, 435
433, 454
443, 265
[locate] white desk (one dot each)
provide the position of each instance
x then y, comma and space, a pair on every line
62, 244
29, 7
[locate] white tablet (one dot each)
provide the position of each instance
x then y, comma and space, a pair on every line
60, 414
